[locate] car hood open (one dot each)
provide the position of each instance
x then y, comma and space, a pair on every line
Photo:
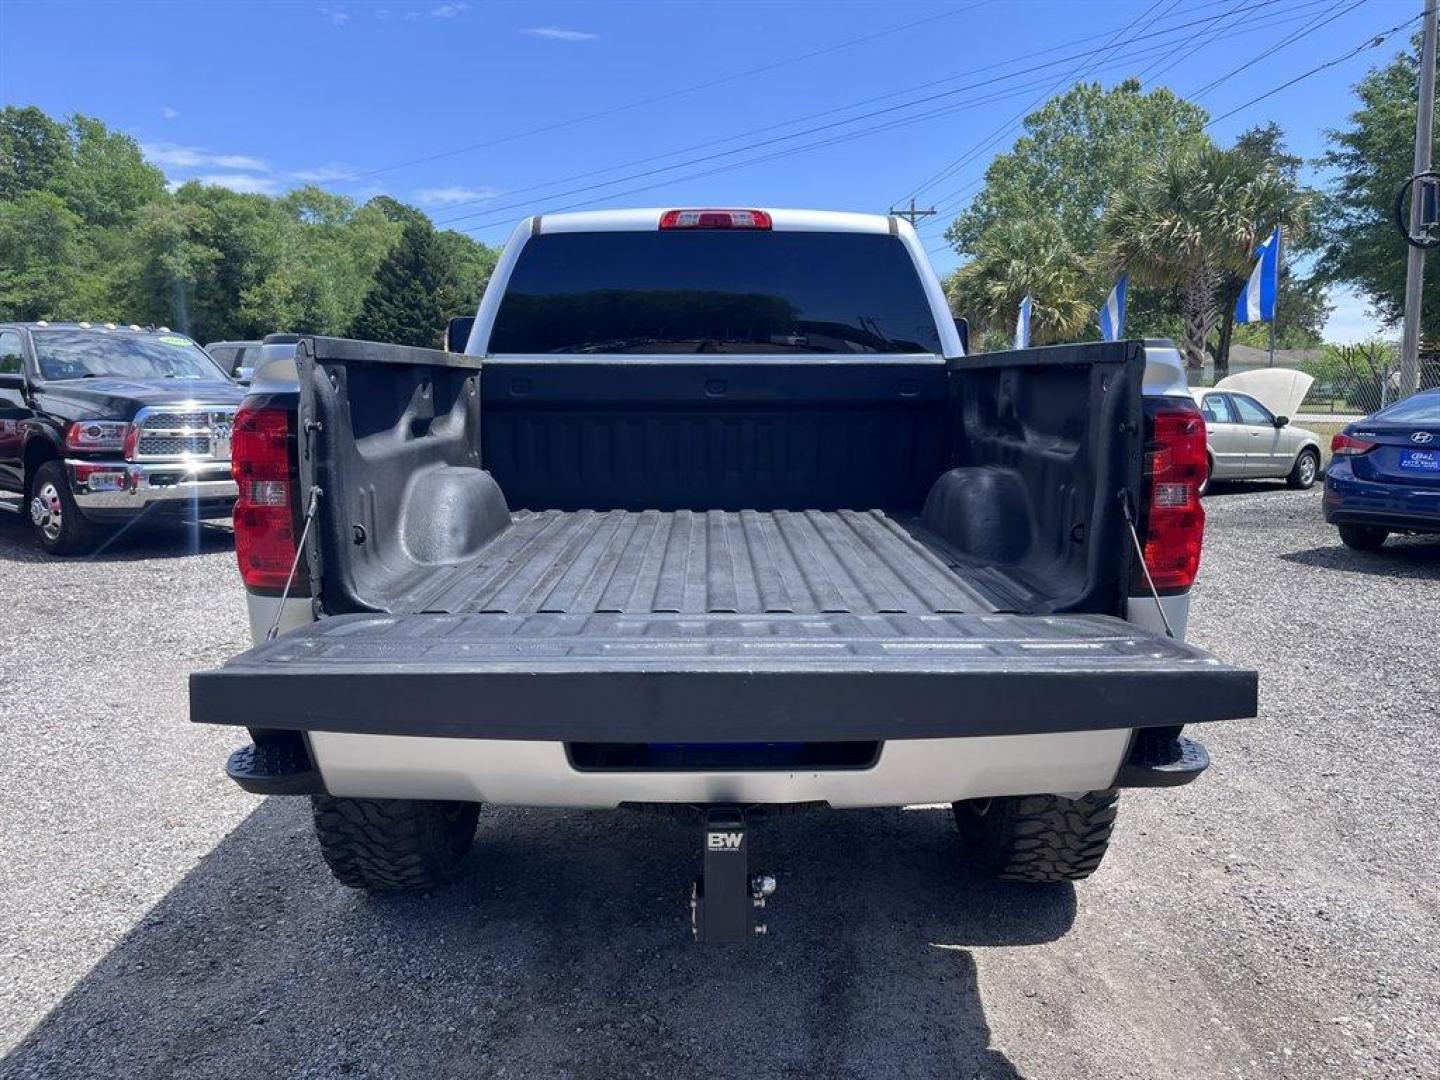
1281, 390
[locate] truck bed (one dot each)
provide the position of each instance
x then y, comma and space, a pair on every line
718, 627
775, 552
715, 562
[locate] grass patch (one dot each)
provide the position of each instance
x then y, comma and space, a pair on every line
1325, 431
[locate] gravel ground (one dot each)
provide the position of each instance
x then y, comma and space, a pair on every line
1278, 918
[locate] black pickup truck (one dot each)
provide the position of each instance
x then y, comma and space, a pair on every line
105, 424
716, 519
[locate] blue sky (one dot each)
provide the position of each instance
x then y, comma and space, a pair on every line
483, 112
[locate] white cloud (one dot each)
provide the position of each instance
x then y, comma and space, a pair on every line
557, 33
173, 156
450, 196
242, 182
383, 14
337, 16
324, 174
448, 11
168, 113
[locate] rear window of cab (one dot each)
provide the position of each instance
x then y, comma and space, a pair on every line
714, 291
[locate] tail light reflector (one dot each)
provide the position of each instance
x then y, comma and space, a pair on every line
263, 462
715, 219
1343, 445
1173, 518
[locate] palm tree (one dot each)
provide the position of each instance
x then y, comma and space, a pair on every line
1017, 258
1190, 220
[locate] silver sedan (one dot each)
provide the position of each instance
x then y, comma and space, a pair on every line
1248, 442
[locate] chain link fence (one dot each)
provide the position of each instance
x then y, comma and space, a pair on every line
1350, 380
1359, 379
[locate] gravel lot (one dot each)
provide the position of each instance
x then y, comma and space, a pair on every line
1278, 918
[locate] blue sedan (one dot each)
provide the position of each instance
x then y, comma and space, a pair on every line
1384, 474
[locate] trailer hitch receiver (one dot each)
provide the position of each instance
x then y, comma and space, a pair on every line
725, 897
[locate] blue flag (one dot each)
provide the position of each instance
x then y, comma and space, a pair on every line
1112, 315
1257, 302
1022, 324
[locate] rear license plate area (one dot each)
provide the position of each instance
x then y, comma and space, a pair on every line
1422, 461
721, 757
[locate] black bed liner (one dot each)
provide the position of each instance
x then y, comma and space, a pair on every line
472, 594
720, 677
717, 561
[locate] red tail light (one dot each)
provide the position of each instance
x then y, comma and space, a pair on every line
715, 219
1175, 468
262, 460
1344, 445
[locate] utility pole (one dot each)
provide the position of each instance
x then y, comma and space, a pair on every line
1415, 267
913, 213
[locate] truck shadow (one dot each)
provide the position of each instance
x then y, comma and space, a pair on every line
561, 951
141, 540
1416, 557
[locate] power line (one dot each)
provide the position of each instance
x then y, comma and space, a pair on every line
1289, 39
853, 105
774, 155
959, 163
499, 214
1160, 66
653, 99
1370, 43
786, 152
1016, 121
1270, 51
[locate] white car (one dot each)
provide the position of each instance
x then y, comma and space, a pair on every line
1248, 429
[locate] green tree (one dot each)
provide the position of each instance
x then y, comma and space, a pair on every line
109, 181
407, 305
39, 257
1186, 222
34, 152
1371, 159
1077, 150
88, 229
1016, 258
203, 259
171, 262
330, 251
469, 265
1300, 307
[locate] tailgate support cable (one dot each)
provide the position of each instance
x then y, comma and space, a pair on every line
311, 507
1128, 510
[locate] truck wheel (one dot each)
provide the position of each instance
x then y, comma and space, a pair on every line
1038, 838
1362, 537
391, 845
1305, 470
57, 521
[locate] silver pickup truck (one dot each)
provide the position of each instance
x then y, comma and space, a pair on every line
715, 518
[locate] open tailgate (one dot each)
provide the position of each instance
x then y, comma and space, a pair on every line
720, 678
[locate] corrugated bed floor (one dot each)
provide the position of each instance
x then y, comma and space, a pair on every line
689, 562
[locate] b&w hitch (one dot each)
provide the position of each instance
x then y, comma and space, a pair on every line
725, 899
